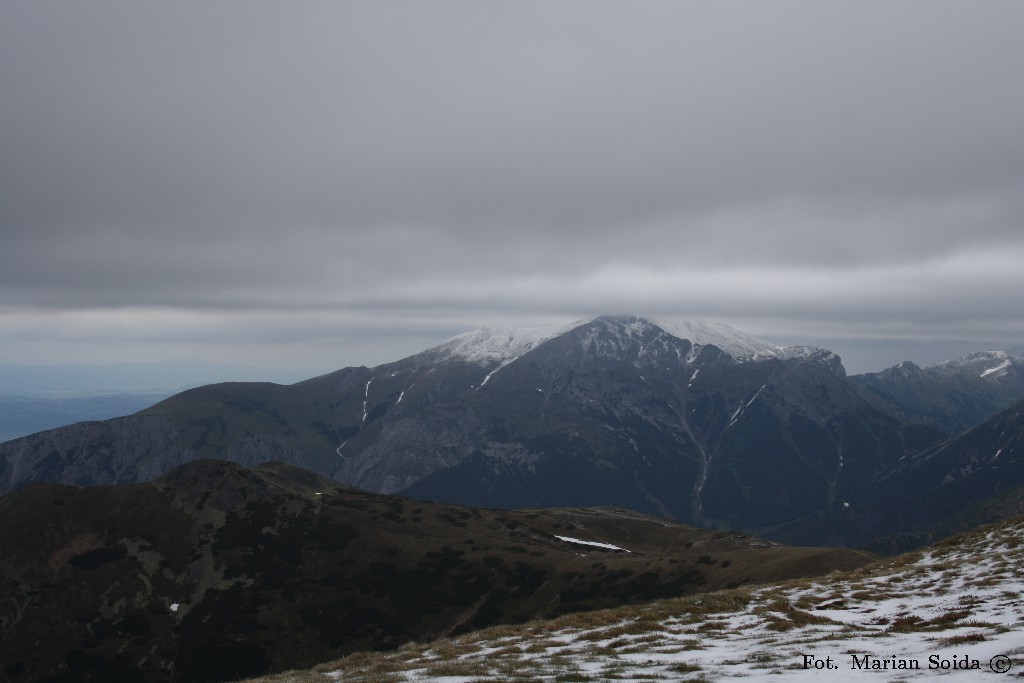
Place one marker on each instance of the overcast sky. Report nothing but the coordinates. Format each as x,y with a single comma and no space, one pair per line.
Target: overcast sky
314,185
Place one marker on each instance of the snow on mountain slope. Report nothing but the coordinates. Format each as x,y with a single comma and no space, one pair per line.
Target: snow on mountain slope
987,364
739,345
953,610
997,370
489,345
496,344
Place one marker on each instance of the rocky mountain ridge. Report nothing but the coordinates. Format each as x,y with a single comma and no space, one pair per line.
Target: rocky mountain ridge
952,396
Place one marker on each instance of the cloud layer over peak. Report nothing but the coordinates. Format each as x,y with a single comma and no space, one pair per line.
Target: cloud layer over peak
367,177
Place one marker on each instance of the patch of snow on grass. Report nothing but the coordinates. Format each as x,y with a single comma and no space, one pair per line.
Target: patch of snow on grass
596,544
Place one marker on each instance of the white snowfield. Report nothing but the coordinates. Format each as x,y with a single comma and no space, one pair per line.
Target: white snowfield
955,611
593,544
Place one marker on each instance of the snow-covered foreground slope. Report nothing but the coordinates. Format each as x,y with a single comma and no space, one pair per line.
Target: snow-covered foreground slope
955,610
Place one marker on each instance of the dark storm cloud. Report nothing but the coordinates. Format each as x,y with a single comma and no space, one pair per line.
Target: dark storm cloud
463,161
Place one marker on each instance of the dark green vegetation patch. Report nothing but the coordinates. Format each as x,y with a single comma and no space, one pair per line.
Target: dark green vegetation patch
216,572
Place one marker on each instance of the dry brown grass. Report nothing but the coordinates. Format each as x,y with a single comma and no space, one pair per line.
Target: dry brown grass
457,668
780,615
309,676
711,625
447,648
963,639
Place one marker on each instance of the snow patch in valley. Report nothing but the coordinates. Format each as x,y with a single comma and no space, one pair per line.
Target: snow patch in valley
739,411
366,397
756,395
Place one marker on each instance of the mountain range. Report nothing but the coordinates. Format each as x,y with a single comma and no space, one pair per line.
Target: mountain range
952,396
691,421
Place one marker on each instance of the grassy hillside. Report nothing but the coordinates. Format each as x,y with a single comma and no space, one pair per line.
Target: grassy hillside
216,571
954,609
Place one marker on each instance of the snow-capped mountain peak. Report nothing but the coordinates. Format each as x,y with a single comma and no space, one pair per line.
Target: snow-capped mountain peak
502,345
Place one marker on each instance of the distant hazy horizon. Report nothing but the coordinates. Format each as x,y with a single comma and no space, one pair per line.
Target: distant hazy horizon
55,380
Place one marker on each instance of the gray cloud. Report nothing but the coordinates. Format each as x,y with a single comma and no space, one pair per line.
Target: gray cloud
405,170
